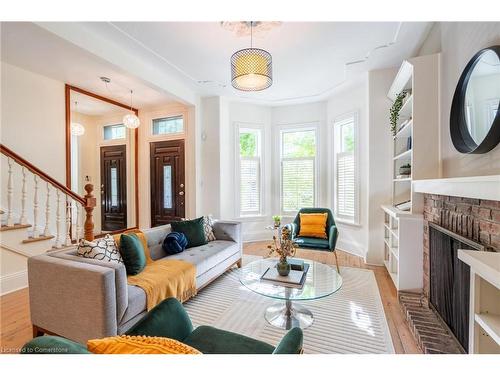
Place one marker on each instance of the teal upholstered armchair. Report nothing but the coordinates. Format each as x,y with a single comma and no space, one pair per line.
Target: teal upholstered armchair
169,319
327,244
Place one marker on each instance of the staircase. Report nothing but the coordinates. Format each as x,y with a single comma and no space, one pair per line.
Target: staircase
38,215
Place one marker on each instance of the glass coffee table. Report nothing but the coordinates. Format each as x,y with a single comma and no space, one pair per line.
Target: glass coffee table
321,281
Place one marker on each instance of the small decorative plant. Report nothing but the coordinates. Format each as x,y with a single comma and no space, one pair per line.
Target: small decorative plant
405,169
284,247
394,111
277,220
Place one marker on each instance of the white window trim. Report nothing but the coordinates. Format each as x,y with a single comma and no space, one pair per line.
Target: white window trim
336,144
279,146
163,113
179,135
237,166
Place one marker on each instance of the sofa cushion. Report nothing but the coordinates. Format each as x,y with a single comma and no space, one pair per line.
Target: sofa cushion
136,302
192,229
319,243
313,225
125,344
207,256
210,340
101,249
174,243
132,251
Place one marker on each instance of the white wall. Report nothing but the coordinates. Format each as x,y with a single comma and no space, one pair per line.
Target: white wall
32,125
458,42
379,160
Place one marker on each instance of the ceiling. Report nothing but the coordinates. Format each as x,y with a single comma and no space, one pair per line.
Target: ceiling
90,106
310,59
30,47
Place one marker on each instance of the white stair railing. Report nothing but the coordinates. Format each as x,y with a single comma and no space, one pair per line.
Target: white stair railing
70,207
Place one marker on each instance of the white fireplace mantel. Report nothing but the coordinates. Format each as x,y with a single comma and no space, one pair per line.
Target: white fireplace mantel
479,187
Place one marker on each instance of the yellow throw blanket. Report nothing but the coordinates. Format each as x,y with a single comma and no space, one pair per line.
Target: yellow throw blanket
163,278
166,278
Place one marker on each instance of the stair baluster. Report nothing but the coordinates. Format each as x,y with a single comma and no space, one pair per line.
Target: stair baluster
57,244
10,194
36,233
46,231
24,196
67,241
78,226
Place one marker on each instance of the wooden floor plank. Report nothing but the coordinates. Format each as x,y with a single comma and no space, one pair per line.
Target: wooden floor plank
15,325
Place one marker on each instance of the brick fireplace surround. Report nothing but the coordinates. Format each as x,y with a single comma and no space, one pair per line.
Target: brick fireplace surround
476,219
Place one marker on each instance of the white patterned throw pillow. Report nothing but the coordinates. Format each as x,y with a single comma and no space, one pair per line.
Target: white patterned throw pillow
101,249
208,223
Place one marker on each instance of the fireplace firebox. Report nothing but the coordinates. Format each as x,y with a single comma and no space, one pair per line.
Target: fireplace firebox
449,280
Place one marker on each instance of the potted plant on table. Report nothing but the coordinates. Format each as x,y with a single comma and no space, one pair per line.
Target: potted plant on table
284,247
277,220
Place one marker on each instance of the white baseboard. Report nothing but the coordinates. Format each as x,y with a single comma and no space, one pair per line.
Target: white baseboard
350,248
264,235
14,281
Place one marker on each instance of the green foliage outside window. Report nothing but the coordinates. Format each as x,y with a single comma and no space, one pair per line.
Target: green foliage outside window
300,144
248,144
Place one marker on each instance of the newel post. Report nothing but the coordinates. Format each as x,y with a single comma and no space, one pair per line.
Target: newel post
90,203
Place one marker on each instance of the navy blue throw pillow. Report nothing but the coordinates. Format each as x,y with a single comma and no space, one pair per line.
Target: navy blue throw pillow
174,243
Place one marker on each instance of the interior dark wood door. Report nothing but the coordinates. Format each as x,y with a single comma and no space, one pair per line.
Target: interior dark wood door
168,193
113,188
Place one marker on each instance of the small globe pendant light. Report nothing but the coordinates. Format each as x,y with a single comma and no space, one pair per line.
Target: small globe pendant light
77,129
251,68
130,120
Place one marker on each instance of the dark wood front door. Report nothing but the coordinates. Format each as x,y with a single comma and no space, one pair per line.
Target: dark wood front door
113,188
168,193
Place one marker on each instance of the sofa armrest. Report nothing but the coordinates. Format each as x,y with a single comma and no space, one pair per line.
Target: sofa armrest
228,230
332,237
292,227
120,278
291,343
167,319
75,300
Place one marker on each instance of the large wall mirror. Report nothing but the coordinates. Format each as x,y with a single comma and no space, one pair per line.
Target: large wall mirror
475,115
101,151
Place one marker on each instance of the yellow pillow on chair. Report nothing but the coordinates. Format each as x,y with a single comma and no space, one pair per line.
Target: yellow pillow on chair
313,225
139,345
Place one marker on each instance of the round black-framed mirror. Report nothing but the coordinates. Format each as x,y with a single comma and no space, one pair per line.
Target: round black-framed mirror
475,110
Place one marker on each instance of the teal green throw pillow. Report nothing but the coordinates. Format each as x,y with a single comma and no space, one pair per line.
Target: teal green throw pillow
192,229
132,252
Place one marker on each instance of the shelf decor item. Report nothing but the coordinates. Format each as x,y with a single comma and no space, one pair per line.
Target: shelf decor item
284,247
405,170
277,220
394,111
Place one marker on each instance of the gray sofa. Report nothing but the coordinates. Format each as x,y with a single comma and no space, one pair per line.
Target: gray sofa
80,299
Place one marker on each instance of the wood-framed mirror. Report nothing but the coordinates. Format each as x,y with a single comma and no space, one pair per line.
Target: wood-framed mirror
101,151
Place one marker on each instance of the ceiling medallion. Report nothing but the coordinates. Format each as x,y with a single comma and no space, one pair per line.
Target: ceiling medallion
245,28
251,68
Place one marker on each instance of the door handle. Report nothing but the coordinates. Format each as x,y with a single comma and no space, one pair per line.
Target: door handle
181,193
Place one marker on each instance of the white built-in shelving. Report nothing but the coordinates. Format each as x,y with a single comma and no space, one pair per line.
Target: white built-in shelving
416,143
402,241
484,304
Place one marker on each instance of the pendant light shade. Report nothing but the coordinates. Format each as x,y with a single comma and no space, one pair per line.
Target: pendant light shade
251,69
130,120
77,129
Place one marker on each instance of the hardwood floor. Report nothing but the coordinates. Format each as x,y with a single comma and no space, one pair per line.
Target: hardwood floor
15,325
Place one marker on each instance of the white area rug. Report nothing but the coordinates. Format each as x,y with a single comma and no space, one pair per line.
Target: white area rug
351,320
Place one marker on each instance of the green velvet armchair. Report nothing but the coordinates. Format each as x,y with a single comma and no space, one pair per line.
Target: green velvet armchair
327,244
169,319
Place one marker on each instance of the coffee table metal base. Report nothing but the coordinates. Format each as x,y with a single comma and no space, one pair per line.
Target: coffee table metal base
286,316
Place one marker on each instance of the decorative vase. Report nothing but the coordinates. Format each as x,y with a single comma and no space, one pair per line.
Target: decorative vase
283,267
406,171
277,224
